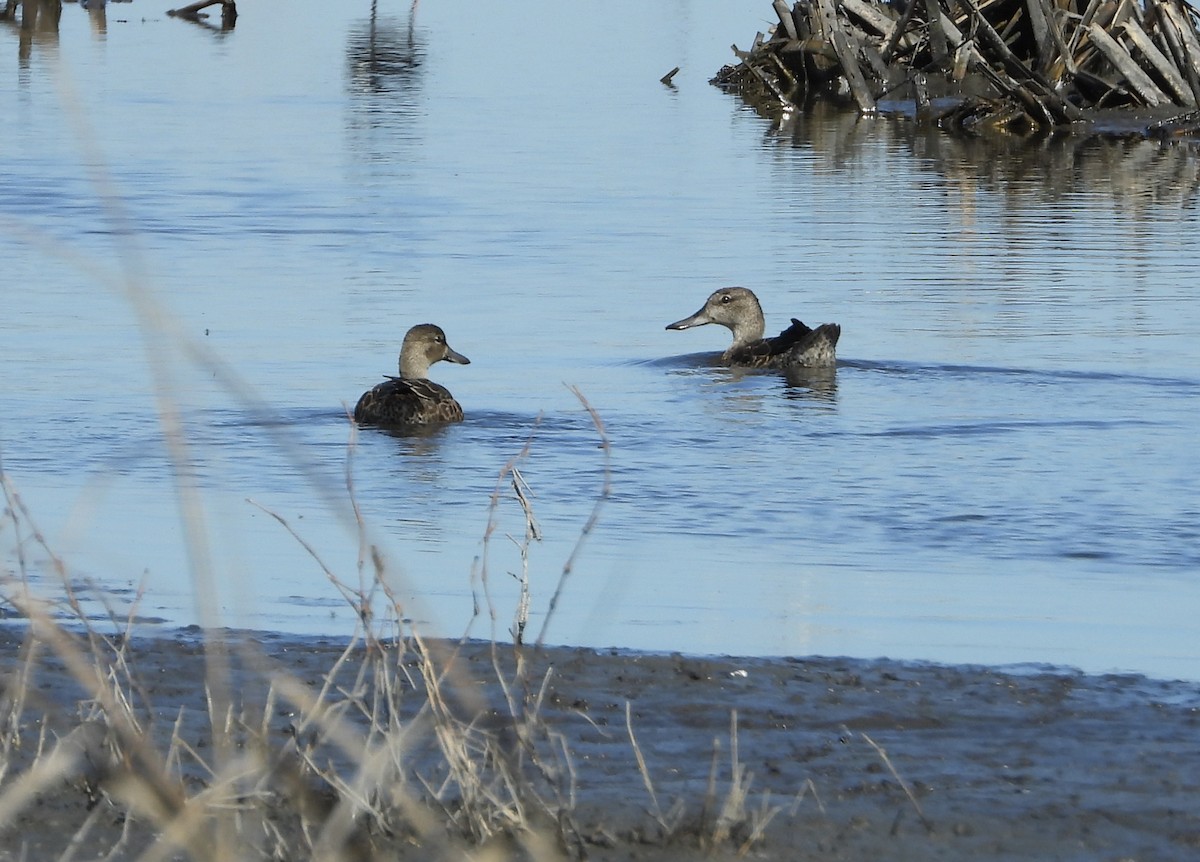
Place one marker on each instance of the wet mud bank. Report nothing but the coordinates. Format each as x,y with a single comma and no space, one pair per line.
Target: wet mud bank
643,756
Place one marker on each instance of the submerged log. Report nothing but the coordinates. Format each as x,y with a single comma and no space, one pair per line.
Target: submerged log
1012,64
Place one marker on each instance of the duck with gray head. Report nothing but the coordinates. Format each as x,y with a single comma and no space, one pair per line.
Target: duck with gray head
411,398
798,346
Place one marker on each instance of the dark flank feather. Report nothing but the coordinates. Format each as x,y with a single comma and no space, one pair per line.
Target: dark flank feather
398,401
796,345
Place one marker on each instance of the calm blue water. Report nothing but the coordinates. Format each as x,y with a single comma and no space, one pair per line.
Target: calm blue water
232,231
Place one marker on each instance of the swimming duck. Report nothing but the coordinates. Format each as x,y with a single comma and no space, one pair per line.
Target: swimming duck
798,346
411,399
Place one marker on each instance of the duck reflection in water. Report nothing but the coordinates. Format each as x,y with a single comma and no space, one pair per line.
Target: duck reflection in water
740,394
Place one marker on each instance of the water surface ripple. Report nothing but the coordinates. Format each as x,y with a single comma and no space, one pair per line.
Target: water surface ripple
234,230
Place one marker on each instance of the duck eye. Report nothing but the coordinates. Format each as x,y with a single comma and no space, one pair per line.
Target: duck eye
726,298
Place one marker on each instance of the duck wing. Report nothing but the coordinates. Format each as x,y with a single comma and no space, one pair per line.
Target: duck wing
794,335
812,348
770,352
401,401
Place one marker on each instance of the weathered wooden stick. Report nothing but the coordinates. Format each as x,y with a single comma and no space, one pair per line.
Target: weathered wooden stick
1062,110
1125,11
1064,54
1187,32
1034,107
1165,68
1011,26
937,35
847,57
966,52
874,19
871,15
800,20
898,31
770,84
813,47
920,95
1131,71
784,71
963,44
1088,14
1167,30
785,18
1092,11
1041,33
880,68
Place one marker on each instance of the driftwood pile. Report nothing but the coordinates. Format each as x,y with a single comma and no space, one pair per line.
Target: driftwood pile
1014,65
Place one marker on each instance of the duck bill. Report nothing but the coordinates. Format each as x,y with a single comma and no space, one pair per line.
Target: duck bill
697,319
454,356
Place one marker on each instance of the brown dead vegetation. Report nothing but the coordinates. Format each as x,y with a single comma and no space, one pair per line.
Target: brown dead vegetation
1008,65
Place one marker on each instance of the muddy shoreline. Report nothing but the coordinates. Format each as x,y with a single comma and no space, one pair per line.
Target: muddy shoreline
852,759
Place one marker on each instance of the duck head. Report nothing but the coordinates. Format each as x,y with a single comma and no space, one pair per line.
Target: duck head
424,345
736,308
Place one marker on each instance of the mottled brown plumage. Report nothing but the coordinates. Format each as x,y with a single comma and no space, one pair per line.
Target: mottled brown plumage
798,346
412,399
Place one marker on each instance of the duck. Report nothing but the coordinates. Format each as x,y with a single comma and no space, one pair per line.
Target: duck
798,346
411,398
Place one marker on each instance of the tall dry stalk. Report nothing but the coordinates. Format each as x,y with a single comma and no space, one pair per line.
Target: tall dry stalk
593,518
533,533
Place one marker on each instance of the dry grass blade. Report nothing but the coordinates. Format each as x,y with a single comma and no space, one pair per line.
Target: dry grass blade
887,761
13,695
155,794
352,598
644,771
479,572
733,811
533,533
64,761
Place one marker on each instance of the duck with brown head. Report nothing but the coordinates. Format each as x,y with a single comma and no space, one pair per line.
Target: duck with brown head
738,309
411,398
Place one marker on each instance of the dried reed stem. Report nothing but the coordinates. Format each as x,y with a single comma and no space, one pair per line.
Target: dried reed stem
643,770
593,518
887,761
